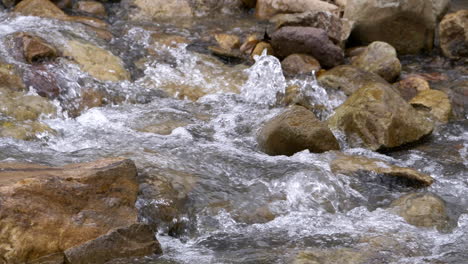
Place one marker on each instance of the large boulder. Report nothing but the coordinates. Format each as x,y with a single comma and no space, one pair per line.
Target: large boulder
347,78
47,210
379,58
377,117
98,62
268,8
307,40
453,32
422,209
294,130
346,164
436,102
408,26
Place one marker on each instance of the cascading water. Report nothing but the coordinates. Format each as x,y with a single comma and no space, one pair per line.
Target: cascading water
233,203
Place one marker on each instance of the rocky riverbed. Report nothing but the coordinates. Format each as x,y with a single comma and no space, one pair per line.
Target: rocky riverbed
233,131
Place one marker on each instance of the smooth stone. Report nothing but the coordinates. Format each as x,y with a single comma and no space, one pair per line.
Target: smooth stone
437,102
453,31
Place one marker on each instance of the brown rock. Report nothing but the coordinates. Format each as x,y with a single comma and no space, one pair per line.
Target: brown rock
48,210
10,79
459,96
24,130
454,34
296,64
34,48
41,8
21,106
135,240
260,47
227,41
91,7
410,86
307,40
147,10
376,117
355,51
345,164
422,209
379,58
408,26
436,101
42,80
294,130
267,8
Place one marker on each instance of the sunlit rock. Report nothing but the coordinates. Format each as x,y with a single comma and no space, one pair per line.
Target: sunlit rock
454,34
422,209
47,210
345,164
227,41
307,40
295,130
98,62
379,58
436,102
409,26
41,8
376,117
260,47
296,64
268,8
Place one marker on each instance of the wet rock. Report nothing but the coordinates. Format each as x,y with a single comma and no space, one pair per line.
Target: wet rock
355,51
294,130
346,164
406,25
347,78
267,8
164,128
307,40
453,31
227,41
379,58
338,29
411,86
341,255
34,48
168,40
458,94
10,79
260,47
21,106
47,210
437,102
132,241
24,130
376,117
147,10
91,7
92,22
296,64
42,80
41,8
98,62
215,7
422,209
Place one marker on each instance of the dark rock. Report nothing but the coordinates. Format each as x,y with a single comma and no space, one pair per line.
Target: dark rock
42,80
453,32
296,64
411,86
34,48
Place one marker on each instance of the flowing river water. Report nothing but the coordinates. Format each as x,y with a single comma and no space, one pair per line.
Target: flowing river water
229,202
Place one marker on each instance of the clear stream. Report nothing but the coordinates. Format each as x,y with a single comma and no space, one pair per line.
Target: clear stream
230,202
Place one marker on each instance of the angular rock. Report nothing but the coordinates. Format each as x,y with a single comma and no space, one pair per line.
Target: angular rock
98,62
453,31
295,130
408,26
147,10
411,86
346,164
379,58
307,40
437,102
296,64
267,8
47,210
260,47
377,117
338,29
91,7
136,240
347,78
422,209
34,48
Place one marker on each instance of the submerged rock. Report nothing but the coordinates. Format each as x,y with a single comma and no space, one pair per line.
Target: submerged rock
422,209
377,117
268,8
409,26
379,58
48,210
345,164
21,106
296,64
294,130
34,48
307,40
437,103
454,34
24,130
98,62
227,41
10,79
